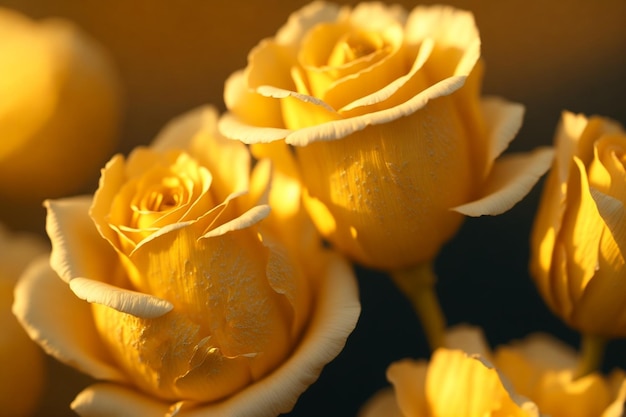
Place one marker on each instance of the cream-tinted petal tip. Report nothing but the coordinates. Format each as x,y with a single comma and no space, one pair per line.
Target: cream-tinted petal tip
125,301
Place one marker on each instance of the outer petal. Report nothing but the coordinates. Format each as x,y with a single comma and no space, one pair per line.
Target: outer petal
179,132
126,301
409,381
510,180
77,248
449,27
258,110
300,22
61,323
503,120
334,319
469,339
78,251
382,404
106,400
233,127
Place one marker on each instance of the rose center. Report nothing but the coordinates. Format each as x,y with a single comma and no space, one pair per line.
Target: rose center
164,198
353,46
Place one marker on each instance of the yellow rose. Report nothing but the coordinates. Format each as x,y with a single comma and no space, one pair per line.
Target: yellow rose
577,258
543,369
59,107
21,360
452,384
393,142
534,376
198,305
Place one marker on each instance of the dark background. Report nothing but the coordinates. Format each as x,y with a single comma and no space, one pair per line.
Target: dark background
549,55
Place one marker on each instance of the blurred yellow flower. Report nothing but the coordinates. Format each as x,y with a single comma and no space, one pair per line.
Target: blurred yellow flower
543,369
59,107
200,306
393,142
452,384
21,360
534,376
578,239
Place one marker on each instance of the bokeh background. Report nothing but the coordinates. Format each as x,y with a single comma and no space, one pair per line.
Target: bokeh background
550,55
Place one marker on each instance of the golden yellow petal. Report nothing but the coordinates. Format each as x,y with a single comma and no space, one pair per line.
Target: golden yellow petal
389,188
408,378
163,356
225,275
559,395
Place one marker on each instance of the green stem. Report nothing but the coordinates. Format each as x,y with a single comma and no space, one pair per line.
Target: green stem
591,354
418,284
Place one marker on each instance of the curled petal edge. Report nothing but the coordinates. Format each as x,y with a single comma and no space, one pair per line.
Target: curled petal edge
60,322
125,301
231,127
511,178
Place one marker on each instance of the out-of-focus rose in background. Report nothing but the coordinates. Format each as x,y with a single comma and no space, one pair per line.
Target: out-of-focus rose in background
23,373
60,107
578,239
549,56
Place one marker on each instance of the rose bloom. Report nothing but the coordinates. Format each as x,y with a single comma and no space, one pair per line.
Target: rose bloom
177,289
21,360
59,107
452,384
577,247
543,369
392,140
534,375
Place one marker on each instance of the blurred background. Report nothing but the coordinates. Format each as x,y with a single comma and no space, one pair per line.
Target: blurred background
550,55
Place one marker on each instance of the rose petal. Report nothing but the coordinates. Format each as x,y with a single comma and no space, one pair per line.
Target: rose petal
469,339
341,128
374,16
408,378
334,319
510,180
455,34
61,323
391,88
613,213
112,178
258,110
301,21
247,219
106,400
179,132
77,248
382,404
125,301
483,389
503,119
79,252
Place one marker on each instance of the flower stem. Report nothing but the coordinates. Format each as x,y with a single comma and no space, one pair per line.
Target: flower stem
591,355
418,284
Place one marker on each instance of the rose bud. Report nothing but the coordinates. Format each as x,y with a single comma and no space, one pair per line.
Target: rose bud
578,239
193,302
